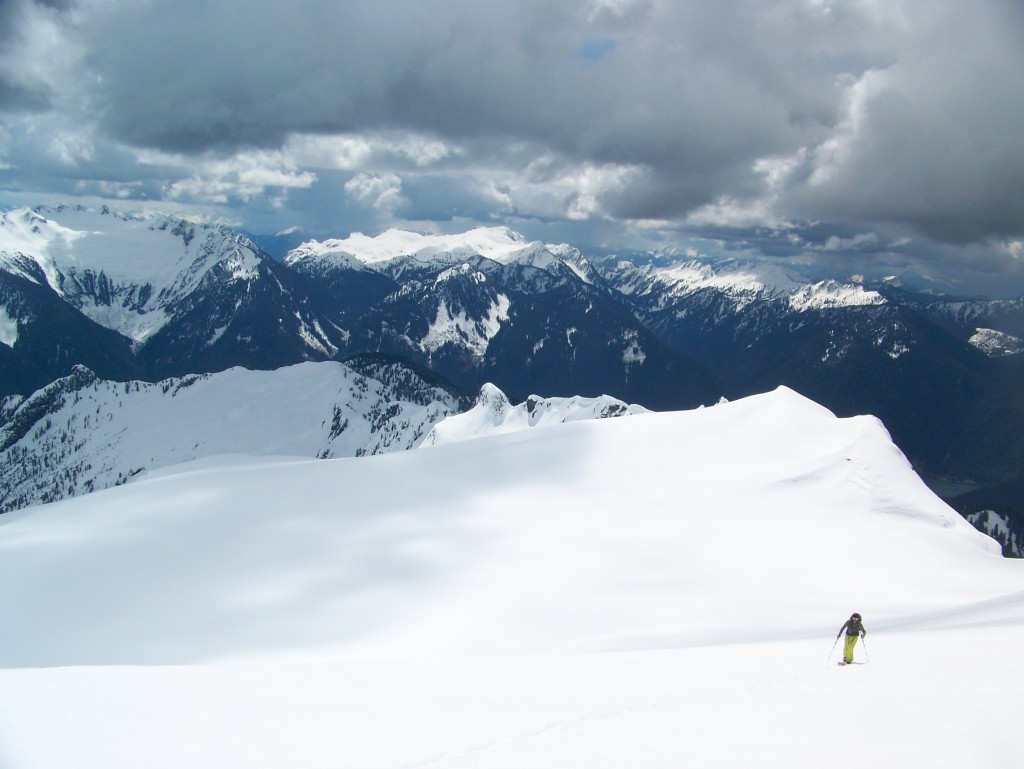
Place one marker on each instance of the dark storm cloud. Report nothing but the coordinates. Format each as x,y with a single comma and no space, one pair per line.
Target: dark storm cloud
15,95
935,139
692,88
884,121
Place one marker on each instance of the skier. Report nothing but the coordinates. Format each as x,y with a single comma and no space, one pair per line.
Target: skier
854,630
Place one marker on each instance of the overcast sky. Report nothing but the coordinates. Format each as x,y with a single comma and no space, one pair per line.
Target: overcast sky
869,136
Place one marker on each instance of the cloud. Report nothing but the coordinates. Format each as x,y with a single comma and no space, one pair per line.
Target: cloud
35,54
929,141
190,77
380,192
896,119
17,97
351,152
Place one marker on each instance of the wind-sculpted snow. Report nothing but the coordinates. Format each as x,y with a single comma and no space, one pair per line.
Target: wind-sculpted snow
82,434
657,591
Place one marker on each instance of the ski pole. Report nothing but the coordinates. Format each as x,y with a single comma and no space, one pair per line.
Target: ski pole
864,643
832,650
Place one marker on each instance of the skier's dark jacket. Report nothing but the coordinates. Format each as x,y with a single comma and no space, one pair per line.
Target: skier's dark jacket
852,628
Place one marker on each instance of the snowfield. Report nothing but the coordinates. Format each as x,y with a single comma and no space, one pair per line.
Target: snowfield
658,590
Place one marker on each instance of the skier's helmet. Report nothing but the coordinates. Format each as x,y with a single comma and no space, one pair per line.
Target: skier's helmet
855,617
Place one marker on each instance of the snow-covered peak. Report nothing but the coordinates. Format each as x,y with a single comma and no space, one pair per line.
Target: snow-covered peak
495,243
745,282
27,234
734,278
828,294
499,244
326,252
493,414
122,271
153,248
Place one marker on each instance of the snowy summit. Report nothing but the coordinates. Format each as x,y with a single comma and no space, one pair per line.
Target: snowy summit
655,591
123,272
497,243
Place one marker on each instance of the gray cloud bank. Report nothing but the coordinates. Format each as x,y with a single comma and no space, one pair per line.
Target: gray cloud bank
897,121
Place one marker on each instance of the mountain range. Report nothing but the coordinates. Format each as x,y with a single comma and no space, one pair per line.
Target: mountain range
154,297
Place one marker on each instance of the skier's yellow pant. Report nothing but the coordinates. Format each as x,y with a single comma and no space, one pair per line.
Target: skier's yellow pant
849,643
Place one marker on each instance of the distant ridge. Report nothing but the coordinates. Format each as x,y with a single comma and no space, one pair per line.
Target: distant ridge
153,296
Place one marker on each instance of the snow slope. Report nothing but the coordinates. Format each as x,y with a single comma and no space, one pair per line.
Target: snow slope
658,591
